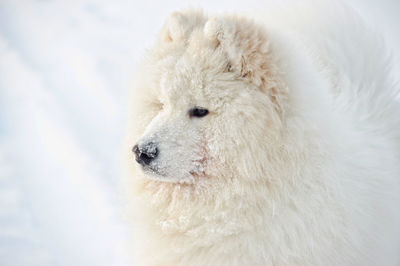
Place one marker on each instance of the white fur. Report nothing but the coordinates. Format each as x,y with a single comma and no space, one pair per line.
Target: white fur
298,161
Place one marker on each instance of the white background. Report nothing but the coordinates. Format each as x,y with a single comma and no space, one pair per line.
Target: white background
65,72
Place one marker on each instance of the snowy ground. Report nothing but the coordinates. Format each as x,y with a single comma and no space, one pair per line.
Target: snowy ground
65,70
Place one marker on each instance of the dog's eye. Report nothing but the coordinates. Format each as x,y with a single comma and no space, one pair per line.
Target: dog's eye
198,112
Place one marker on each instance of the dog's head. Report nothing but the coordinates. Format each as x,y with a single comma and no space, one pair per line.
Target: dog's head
208,98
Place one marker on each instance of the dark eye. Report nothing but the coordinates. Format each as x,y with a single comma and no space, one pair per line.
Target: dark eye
198,112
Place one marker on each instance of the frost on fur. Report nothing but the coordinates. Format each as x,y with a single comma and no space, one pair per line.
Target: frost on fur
289,166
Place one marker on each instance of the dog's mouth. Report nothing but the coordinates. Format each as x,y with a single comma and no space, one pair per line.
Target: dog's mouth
153,171
158,175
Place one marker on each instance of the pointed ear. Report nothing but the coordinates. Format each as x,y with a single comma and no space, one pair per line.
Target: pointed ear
246,44
218,31
180,24
249,52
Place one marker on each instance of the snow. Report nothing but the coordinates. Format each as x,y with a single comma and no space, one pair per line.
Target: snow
65,72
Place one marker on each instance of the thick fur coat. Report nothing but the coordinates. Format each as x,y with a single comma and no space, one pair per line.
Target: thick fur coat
297,161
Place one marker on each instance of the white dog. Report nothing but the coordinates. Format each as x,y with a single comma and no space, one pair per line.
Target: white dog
266,142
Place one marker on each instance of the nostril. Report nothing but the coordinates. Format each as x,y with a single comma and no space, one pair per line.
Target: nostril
145,158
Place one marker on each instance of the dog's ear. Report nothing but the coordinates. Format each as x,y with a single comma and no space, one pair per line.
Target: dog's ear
249,52
179,25
245,43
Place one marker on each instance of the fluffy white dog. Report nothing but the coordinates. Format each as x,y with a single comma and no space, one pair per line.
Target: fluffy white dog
266,142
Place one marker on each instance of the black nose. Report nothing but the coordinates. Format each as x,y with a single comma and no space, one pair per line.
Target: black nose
145,153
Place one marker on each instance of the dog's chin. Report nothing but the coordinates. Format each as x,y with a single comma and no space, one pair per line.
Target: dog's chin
162,177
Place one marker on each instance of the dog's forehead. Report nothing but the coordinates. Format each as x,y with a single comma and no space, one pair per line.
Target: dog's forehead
182,79
194,76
